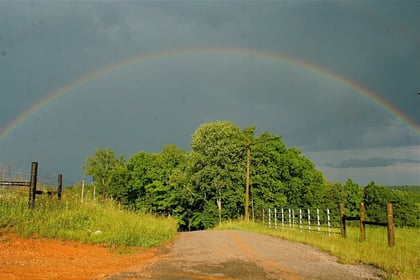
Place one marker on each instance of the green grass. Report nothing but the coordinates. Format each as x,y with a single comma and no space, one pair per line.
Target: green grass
400,262
88,222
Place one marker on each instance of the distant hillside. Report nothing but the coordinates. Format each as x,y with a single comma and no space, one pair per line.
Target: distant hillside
413,192
405,188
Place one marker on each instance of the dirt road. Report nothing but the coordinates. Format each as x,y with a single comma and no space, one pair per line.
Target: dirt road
243,255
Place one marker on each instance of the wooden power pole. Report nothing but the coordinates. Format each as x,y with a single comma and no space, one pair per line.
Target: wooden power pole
248,175
248,170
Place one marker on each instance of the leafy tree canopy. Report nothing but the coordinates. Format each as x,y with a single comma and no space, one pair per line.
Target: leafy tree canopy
101,165
206,185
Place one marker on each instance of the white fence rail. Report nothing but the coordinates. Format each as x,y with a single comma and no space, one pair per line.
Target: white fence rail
302,219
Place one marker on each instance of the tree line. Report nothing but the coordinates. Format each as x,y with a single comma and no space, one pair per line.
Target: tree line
206,185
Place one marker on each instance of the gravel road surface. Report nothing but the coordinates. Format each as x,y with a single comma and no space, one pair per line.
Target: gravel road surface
234,254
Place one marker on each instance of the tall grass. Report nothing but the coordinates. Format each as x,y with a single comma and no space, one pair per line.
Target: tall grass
401,261
90,222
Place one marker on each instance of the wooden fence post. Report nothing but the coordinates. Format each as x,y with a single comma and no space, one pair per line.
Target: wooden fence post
362,222
342,221
32,186
60,186
390,225
83,189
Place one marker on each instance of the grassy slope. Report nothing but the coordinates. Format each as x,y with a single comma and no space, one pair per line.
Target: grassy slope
90,222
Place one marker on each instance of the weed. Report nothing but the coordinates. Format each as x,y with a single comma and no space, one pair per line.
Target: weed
88,222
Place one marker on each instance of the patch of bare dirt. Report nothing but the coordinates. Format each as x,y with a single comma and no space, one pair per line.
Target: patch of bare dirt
39,258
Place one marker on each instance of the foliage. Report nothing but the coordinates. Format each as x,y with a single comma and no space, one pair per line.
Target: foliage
412,189
106,169
90,221
283,176
405,207
353,198
206,185
217,170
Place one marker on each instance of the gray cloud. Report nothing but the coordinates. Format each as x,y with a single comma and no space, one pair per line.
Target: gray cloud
45,45
372,162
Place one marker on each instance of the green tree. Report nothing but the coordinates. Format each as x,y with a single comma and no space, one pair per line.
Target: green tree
117,187
163,195
375,200
101,165
334,195
217,166
207,185
353,198
304,185
139,166
267,185
156,181
406,212
185,201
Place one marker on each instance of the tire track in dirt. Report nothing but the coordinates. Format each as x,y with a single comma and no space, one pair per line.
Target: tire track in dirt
271,266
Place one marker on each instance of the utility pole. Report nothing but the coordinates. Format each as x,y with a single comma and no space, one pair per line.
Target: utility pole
248,175
248,170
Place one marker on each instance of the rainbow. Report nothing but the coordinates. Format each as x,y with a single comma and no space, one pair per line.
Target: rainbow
11,126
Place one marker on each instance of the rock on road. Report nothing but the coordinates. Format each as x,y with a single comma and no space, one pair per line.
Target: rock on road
235,254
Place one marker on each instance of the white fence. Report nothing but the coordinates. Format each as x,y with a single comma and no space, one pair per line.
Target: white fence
302,219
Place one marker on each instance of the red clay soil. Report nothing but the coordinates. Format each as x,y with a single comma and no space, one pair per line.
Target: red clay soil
39,258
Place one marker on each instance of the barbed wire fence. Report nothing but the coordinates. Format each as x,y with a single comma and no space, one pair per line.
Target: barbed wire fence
37,182
44,180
